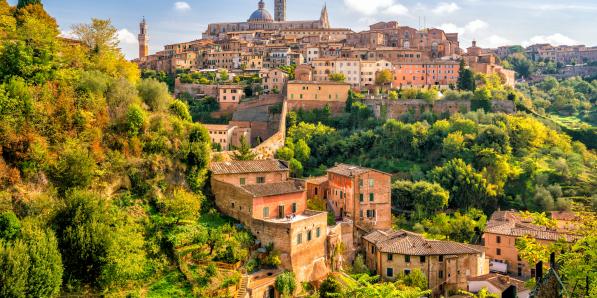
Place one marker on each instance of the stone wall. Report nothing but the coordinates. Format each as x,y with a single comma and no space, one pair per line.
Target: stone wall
335,106
195,89
394,109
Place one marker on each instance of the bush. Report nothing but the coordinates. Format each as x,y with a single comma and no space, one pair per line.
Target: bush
75,167
9,225
286,284
136,120
155,94
181,110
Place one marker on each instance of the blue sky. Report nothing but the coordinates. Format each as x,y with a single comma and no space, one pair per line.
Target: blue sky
492,23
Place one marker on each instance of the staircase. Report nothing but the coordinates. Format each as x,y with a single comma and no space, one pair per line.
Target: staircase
242,289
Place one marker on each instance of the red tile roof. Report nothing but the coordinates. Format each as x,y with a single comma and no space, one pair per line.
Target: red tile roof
272,189
501,282
510,223
409,243
252,166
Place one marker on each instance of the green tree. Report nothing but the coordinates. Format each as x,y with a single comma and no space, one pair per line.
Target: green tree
9,225
302,152
180,205
384,77
75,167
136,120
467,187
466,78
330,287
337,77
244,151
15,263
420,196
23,3
359,266
181,110
155,94
416,279
296,168
99,35
286,284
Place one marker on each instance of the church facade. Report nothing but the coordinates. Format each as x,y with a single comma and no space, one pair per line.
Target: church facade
261,19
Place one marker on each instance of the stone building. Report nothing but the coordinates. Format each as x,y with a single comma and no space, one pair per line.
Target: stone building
309,95
434,42
227,136
480,62
229,96
275,80
349,67
499,238
370,69
143,40
261,19
497,284
261,196
362,195
425,74
446,264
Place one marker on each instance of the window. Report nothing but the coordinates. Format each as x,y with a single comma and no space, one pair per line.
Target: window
422,259
361,182
281,212
371,196
498,239
265,212
341,194
309,235
318,232
407,259
519,271
260,180
441,274
242,181
371,182
361,197
293,207
299,238
372,249
441,258
498,252
389,272
406,271
390,256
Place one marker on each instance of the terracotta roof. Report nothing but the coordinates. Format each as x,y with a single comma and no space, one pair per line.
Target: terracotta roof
252,166
409,243
350,170
564,215
501,282
317,180
272,189
511,224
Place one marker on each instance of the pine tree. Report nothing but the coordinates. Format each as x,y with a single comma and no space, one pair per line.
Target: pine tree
466,78
23,3
244,152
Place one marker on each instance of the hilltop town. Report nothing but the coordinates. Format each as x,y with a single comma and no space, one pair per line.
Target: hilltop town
289,158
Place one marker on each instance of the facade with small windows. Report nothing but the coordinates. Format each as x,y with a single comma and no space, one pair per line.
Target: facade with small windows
229,96
309,95
227,136
261,196
499,239
275,80
446,264
430,73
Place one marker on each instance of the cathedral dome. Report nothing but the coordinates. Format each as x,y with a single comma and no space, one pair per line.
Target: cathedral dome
261,14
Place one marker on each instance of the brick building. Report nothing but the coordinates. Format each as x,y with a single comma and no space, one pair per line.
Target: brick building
261,196
429,73
227,136
275,79
499,238
479,62
309,95
229,96
360,194
446,264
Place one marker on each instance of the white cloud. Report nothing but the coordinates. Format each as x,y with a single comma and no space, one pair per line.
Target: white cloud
372,7
397,9
470,28
445,8
68,34
475,26
494,41
126,37
555,39
182,6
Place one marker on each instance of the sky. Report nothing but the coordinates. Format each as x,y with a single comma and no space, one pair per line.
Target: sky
492,23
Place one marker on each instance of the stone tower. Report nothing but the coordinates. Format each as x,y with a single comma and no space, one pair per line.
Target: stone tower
280,10
143,40
324,19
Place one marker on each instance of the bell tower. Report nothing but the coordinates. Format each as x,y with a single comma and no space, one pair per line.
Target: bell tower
280,10
143,39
